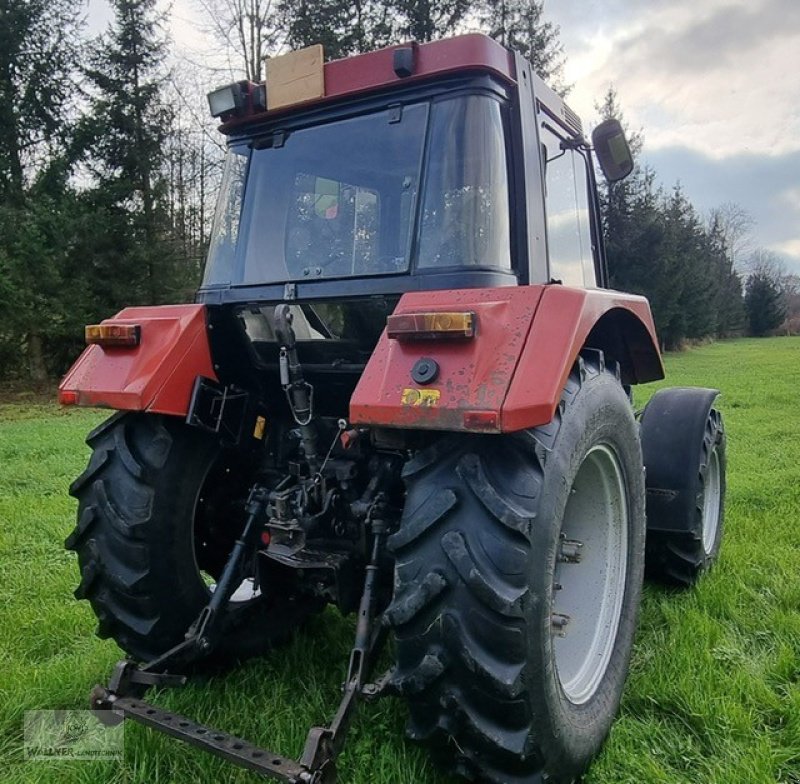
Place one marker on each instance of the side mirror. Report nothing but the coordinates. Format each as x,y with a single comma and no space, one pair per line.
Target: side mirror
612,150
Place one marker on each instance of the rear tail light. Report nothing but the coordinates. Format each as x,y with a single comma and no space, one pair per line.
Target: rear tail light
67,397
430,326
113,334
481,420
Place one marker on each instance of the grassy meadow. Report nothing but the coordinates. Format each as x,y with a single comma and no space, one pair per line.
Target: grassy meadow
714,691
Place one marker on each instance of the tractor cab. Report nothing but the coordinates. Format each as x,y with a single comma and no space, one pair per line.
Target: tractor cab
410,173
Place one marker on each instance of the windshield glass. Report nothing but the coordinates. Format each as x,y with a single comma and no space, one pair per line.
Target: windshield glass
341,199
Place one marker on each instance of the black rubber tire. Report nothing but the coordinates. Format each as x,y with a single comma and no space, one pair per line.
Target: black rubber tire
681,558
475,560
138,501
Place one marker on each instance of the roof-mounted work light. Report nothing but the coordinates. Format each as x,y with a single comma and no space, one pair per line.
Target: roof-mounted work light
237,99
231,99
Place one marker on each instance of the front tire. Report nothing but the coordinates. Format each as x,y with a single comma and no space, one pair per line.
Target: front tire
157,516
485,576
681,556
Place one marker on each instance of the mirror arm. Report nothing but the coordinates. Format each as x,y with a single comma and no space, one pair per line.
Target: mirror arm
575,143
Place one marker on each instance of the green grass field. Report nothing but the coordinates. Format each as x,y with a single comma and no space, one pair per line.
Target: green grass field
714,691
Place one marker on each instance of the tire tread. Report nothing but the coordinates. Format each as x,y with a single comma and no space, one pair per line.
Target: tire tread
474,710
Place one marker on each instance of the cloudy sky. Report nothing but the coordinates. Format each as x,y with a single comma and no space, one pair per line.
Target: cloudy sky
713,84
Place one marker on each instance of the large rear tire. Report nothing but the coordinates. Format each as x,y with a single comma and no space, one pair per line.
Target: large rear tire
490,574
159,507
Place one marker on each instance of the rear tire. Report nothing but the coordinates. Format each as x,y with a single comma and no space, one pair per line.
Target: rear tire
156,511
481,587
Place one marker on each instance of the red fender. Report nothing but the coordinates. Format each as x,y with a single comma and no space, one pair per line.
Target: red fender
510,375
157,375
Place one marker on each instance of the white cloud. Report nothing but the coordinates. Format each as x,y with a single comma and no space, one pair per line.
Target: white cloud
719,77
714,86
98,16
788,248
791,198
186,32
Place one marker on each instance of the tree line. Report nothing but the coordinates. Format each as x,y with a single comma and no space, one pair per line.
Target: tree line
701,275
108,165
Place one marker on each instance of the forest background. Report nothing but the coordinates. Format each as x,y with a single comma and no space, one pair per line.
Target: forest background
109,165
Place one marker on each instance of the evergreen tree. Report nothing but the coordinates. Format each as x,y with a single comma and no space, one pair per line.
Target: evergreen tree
729,299
657,246
632,224
127,134
39,49
347,28
38,53
342,28
763,300
426,20
696,313
519,25
39,298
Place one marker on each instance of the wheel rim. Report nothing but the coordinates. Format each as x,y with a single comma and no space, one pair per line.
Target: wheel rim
711,503
589,578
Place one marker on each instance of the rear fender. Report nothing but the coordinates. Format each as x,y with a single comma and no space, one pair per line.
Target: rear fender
510,375
566,321
157,375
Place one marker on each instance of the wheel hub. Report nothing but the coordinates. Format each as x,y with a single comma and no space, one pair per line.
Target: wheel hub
711,502
590,572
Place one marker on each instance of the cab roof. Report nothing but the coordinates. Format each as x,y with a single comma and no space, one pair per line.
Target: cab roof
376,71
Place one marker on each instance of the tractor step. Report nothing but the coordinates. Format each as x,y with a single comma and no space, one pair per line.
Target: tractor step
233,749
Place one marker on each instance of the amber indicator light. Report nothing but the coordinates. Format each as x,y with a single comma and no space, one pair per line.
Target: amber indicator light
113,334
431,326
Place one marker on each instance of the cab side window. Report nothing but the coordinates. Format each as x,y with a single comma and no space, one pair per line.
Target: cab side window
566,204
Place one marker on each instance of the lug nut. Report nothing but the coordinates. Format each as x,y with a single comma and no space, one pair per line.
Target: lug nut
570,551
559,622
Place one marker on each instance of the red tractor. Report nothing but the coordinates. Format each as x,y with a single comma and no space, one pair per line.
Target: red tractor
404,390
